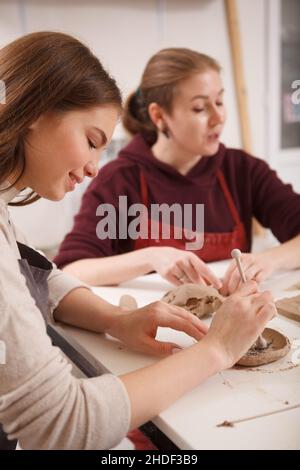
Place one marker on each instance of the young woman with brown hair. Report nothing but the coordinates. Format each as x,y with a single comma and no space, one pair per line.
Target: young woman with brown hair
60,110
176,117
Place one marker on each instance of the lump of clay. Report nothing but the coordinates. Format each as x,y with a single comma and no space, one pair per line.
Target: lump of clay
198,299
127,302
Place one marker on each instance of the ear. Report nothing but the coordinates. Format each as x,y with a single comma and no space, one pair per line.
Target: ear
156,114
35,124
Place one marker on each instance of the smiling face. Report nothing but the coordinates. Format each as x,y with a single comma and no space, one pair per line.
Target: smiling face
198,114
62,148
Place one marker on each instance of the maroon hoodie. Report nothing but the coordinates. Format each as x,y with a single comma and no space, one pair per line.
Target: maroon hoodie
256,190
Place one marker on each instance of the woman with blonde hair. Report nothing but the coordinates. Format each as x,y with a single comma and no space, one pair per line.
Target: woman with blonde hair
175,158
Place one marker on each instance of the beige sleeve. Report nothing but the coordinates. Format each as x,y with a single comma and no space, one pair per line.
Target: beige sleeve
41,403
60,284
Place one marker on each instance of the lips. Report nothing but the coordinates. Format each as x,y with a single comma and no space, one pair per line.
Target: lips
214,136
71,184
75,178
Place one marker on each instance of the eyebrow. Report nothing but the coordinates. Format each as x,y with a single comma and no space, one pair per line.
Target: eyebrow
102,133
205,97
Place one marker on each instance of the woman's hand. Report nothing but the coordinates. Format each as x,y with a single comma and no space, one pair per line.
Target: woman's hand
138,329
257,267
180,267
238,323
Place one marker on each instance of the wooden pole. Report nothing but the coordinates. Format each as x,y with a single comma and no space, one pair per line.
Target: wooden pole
240,86
238,71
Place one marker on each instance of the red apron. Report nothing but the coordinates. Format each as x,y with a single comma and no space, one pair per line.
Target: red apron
217,245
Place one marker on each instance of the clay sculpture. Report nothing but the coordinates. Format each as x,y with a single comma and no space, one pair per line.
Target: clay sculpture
198,299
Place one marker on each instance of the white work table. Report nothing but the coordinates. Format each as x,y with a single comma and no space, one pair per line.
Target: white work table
262,403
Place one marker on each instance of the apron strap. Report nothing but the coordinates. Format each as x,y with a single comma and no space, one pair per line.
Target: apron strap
228,197
144,189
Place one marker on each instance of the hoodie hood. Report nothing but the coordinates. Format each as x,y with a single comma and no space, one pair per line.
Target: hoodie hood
139,153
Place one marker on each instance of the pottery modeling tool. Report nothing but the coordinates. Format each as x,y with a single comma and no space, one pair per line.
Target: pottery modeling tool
261,343
268,348
236,254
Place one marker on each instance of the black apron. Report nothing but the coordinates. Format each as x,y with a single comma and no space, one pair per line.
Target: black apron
36,269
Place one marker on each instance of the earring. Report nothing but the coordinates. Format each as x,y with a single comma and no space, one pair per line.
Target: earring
165,131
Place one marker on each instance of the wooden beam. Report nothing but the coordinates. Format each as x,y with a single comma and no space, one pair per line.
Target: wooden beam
238,72
240,86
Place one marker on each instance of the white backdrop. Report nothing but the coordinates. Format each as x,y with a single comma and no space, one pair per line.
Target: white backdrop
124,34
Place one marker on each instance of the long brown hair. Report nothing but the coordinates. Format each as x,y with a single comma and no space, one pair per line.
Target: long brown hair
45,71
162,75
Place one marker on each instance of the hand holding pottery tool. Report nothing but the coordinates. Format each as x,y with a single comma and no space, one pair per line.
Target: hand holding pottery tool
260,343
269,348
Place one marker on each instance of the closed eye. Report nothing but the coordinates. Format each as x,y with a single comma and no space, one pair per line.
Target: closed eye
201,110
91,144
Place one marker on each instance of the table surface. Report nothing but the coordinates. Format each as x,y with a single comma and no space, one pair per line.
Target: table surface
262,403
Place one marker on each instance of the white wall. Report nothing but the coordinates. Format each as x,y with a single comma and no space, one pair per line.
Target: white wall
124,34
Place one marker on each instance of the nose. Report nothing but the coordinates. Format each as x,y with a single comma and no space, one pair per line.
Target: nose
91,170
217,116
